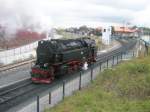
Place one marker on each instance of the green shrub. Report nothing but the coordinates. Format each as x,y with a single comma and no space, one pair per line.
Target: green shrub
130,79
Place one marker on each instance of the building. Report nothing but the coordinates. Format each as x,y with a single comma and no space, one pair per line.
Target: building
120,31
106,35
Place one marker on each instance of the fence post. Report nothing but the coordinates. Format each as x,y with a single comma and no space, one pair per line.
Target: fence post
91,73
121,55
113,61
14,52
107,63
20,51
80,81
100,66
50,99
133,53
64,89
117,58
38,106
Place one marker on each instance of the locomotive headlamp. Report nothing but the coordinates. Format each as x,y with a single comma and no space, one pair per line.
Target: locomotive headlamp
46,64
81,53
57,57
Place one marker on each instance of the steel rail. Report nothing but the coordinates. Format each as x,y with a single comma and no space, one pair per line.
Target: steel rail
12,66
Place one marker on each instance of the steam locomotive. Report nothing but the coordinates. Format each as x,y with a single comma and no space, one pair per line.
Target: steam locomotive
58,57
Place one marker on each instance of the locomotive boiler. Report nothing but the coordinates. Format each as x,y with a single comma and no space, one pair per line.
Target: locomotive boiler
58,57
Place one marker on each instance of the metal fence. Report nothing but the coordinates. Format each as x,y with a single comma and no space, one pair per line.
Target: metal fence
21,53
76,82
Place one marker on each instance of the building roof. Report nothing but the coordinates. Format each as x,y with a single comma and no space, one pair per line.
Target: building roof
124,29
99,28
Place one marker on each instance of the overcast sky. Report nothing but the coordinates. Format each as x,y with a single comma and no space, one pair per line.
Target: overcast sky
66,13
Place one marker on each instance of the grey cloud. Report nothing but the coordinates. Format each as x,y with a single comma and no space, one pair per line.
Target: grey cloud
134,5
59,12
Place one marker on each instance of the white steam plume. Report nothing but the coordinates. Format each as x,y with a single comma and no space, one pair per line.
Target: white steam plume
24,14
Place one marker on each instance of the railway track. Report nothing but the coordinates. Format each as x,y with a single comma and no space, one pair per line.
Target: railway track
14,96
16,65
13,92
121,49
17,93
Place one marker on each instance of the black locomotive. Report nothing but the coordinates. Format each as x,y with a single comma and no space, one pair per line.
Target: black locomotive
57,57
